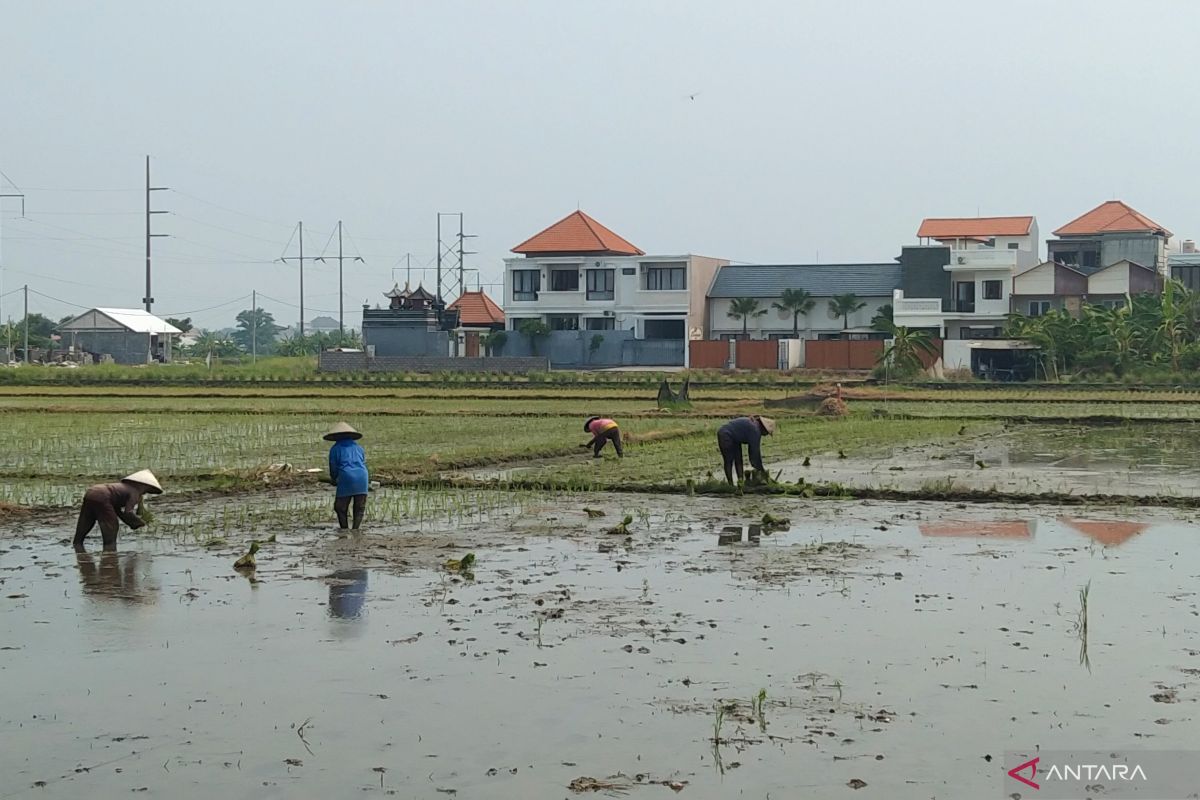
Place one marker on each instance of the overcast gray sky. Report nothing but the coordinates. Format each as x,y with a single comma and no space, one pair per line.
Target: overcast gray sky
828,127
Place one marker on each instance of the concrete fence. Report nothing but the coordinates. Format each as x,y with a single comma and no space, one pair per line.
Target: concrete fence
361,362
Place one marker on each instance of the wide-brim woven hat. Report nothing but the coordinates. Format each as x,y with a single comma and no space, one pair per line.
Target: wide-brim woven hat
768,425
146,478
341,431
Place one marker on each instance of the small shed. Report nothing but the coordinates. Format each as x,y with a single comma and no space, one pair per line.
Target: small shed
128,335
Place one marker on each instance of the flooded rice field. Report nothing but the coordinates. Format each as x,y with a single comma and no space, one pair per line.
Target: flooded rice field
841,649
1142,460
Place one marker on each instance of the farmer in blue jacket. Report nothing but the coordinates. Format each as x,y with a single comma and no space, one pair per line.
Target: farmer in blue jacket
348,471
746,431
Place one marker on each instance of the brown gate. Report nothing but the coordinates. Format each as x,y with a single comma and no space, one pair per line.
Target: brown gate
708,354
842,354
757,354
472,344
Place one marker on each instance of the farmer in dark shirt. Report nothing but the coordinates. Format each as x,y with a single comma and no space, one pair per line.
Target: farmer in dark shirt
746,431
109,504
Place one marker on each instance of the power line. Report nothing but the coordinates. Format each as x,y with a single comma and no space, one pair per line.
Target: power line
210,308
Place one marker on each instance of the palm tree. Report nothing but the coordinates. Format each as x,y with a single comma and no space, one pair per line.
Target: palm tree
904,352
795,302
884,319
843,305
744,308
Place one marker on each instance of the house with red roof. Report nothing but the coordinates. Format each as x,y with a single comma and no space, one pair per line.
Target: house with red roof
1112,231
957,283
477,315
579,275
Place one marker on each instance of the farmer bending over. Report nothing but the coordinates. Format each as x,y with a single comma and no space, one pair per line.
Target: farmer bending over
743,431
348,471
110,504
603,430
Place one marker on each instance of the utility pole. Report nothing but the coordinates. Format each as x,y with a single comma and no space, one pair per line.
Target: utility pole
253,326
341,297
149,298
27,323
302,258
2,196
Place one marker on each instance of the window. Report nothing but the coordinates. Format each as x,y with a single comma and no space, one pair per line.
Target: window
526,284
628,270
1038,307
600,284
564,280
1111,304
990,242
664,278
1068,257
663,329
1091,258
1014,245
563,322
601,323
993,290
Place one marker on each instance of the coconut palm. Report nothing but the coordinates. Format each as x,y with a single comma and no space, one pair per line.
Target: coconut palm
884,319
904,352
745,308
843,305
795,302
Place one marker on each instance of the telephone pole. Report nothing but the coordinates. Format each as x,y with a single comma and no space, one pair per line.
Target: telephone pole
2,197
27,323
301,259
253,326
341,296
149,298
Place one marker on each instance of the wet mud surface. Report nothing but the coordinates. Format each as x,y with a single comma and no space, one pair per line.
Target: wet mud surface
896,648
1145,460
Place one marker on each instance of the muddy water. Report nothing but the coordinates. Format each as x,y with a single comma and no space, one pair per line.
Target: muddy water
1141,460
899,645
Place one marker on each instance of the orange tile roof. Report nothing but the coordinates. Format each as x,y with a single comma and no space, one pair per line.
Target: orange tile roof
1106,532
577,233
476,308
1016,529
1110,217
974,227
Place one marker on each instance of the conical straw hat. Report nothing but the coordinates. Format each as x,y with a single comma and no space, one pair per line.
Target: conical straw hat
146,478
768,425
342,431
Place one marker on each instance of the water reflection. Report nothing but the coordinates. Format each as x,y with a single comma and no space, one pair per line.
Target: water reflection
111,575
993,529
1108,532
347,593
748,535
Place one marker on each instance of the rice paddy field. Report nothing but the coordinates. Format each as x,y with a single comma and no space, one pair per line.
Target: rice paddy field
984,573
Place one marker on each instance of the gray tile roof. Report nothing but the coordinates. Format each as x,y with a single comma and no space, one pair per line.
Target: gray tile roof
1184,259
824,280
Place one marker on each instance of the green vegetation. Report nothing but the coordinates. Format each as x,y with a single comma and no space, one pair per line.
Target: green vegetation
843,305
1146,334
796,302
902,357
745,309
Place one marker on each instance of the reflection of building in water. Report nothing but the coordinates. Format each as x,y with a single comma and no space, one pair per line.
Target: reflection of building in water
997,529
1108,532
347,593
740,534
115,575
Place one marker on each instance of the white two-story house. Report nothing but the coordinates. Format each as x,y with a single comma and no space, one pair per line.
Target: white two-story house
960,280
579,275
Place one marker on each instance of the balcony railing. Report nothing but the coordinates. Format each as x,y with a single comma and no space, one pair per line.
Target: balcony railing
905,306
984,259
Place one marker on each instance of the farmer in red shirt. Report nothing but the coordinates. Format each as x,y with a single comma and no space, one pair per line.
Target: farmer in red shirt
603,430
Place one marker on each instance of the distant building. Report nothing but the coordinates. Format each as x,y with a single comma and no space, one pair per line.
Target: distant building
1185,265
577,275
128,335
871,283
413,324
323,325
1110,232
477,316
958,284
